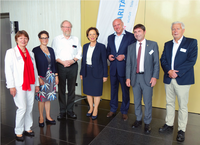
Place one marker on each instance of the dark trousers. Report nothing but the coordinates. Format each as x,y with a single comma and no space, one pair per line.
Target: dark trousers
115,80
69,74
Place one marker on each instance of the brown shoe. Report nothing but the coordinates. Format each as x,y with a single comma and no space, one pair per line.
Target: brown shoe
110,114
125,117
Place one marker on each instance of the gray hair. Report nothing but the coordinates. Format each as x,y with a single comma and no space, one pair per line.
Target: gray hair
64,22
178,22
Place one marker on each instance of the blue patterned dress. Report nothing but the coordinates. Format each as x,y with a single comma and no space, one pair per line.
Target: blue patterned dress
48,90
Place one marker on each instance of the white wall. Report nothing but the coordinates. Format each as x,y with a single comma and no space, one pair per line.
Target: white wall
36,15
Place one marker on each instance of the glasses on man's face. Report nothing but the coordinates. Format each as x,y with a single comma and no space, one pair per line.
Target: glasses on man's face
44,38
66,27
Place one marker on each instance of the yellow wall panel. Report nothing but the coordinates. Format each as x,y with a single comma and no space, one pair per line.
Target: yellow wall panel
157,16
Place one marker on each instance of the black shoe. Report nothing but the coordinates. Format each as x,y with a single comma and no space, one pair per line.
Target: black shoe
165,128
136,124
147,128
50,122
41,124
62,116
94,117
89,114
29,133
71,115
19,138
181,136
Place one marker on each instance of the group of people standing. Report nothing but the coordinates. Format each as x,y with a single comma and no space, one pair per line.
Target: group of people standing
134,61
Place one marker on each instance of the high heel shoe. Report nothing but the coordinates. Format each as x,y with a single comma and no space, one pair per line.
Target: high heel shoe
89,114
94,117
50,122
41,124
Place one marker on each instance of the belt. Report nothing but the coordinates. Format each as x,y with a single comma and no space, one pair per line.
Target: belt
62,64
140,73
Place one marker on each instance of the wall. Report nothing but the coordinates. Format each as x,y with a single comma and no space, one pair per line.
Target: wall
157,16
34,16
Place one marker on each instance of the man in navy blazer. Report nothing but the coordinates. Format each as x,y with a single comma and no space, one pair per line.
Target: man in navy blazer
177,61
117,54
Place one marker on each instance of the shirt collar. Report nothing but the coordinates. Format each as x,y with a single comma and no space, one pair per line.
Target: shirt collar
179,41
143,41
63,37
123,33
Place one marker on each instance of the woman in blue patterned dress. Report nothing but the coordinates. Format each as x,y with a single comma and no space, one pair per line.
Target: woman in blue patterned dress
48,77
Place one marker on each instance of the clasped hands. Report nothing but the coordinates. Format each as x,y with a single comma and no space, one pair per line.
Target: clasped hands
173,74
119,57
67,63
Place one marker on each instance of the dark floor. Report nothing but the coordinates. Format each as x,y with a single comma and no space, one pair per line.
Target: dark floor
84,131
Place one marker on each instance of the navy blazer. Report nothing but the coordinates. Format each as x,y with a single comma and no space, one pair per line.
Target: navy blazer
99,61
115,65
184,61
41,61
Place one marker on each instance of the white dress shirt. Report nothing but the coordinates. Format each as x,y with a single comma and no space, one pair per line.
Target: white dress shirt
67,49
174,50
142,53
89,55
118,40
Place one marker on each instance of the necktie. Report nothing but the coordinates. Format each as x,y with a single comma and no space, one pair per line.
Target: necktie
138,58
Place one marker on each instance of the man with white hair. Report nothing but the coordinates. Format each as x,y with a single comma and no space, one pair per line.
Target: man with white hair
177,61
68,51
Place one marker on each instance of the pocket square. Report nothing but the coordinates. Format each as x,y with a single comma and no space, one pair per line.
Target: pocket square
183,50
150,52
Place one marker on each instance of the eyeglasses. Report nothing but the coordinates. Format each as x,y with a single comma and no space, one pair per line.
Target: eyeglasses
44,38
66,27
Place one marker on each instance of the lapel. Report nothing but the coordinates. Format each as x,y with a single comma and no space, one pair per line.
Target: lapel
113,42
146,52
180,46
95,52
18,55
122,42
134,52
170,48
86,49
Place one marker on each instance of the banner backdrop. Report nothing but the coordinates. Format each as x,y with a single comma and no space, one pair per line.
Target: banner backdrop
112,9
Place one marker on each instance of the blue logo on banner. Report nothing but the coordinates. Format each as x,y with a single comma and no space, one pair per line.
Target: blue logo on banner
121,9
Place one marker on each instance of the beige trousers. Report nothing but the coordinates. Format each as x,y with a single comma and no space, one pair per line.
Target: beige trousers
182,92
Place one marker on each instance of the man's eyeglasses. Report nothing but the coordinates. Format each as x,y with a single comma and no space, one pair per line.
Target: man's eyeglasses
66,27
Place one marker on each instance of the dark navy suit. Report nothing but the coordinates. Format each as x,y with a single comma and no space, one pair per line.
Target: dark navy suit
99,61
117,71
184,61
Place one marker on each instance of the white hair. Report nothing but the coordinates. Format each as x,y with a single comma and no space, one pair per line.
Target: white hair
65,21
178,22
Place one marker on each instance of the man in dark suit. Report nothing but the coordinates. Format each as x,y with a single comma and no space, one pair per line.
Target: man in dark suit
142,71
117,52
177,61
